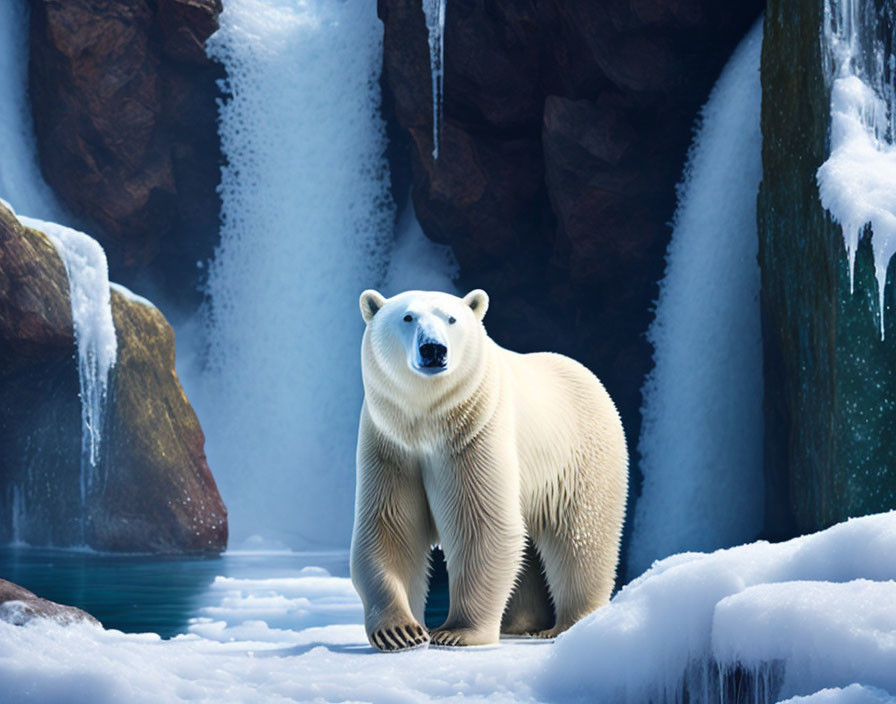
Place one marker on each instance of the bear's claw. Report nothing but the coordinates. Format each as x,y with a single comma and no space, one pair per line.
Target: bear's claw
456,638
401,637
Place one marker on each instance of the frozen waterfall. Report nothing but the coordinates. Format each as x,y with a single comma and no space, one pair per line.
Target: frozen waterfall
23,188
701,443
308,223
857,183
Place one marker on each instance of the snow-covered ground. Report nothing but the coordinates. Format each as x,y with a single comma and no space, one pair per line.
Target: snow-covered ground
813,619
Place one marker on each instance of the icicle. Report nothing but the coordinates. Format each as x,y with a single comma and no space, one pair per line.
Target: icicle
857,183
88,278
434,11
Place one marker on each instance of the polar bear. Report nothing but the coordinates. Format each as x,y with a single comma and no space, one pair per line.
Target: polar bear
515,463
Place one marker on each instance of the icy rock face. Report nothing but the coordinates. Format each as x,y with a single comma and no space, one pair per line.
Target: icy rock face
830,380
701,441
157,493
857,183
89,293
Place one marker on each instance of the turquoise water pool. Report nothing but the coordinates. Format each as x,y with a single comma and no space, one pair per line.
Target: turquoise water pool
143,593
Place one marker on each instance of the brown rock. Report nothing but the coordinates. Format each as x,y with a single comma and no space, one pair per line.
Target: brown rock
156,493
18,606
125,116
565,129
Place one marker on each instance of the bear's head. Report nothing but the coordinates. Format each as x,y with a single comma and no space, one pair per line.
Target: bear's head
424,334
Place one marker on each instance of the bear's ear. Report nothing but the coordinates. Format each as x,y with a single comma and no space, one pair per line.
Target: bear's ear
371,301
478,302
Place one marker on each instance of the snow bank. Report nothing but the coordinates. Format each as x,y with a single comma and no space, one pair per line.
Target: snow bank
701,442
813,619
789,619
270,640
854,694
88,279
857,183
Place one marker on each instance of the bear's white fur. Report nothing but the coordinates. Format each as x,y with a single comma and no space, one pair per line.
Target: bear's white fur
490,453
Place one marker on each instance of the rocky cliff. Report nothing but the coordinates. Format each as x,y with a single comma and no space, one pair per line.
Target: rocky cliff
830,380
565,128
157,492
124,101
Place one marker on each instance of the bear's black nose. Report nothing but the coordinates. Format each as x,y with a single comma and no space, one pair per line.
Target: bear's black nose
432,354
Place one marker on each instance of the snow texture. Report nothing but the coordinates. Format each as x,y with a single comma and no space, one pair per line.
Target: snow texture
308,223
434,12
857,183
701,443
813,619
88,279
131,296
789,619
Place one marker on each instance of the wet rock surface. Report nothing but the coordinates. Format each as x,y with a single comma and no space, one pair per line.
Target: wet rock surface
18,606
830,381
126,122
156,492
565,129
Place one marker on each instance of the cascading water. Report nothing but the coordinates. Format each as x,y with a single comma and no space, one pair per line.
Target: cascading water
88,278
434,11
308,224
701,443
23,188
857,183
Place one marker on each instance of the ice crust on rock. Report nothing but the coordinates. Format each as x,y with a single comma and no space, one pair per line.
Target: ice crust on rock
701,440
131,296
857,183
88,278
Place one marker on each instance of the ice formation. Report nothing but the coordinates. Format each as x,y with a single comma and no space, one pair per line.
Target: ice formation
307,225
813,619
131,296
88,279
857,183
787,619
434,12
701,442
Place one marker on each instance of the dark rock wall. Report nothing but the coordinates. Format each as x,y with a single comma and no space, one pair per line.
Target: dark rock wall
124,103
157,493
830,384
566,124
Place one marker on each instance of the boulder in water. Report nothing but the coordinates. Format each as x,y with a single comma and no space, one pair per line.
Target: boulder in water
18,606
155,491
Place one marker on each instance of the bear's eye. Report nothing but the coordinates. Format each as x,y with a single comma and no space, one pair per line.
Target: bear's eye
408,318
451,320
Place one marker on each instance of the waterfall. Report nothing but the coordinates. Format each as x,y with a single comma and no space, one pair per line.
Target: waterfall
22,187
857,183
434,12
88,280
308,223
701,443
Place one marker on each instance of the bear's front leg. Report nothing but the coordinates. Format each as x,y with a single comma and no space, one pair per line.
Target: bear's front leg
480,523
390,542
